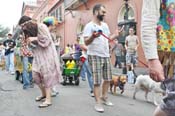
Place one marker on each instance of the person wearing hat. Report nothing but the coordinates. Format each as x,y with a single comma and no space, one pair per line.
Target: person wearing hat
9,45
51,22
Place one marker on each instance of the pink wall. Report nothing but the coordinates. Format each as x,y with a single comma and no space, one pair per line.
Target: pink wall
112,6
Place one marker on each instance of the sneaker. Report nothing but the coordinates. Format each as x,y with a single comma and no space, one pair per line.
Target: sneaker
54,94
31,86
83,79
92,94
98,107
12,73
106,102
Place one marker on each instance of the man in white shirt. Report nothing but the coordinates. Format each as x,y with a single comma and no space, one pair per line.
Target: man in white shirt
98,55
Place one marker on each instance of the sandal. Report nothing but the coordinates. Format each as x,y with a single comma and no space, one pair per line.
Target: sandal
44,105
39,98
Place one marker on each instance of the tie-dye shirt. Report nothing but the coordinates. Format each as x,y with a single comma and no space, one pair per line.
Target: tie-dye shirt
166,26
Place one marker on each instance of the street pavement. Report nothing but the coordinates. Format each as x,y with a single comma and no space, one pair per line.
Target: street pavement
71,101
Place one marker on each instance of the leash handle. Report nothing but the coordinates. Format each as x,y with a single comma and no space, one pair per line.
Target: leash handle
101,33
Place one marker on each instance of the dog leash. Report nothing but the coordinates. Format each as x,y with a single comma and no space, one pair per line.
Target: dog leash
101,33
142,63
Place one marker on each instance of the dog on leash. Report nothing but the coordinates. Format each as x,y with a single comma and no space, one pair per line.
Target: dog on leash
145,83
117,81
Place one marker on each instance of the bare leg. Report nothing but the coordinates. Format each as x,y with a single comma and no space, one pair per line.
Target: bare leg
159,112
43,92
97,93
48,95
105,87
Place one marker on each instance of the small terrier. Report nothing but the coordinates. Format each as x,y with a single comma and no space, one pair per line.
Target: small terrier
118,81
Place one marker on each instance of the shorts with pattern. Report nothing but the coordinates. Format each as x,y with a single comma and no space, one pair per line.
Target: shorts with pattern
101,68
131,58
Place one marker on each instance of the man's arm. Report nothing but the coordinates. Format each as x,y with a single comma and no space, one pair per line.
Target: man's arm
116,33
137,42
89,40
126,44
150,16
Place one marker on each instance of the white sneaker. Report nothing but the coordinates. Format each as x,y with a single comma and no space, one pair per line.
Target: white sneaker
98,107
92,94
54,94
12,73
106,102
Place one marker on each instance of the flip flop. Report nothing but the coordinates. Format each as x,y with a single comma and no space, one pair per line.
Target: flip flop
39,98
44,105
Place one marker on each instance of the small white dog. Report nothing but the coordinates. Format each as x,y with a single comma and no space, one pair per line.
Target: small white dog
145,83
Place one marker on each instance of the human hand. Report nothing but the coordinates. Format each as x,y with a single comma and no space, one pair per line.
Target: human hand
156,70
119,30
95,34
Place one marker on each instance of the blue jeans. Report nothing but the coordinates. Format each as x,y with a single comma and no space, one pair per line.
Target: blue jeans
117,61
27,75
9,62
86,70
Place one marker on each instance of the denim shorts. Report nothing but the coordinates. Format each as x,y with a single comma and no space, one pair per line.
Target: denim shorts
131,58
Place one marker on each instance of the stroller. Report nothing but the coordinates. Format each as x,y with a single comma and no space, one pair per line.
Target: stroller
71,68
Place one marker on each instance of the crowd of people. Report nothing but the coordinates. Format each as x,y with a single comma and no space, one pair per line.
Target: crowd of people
38,47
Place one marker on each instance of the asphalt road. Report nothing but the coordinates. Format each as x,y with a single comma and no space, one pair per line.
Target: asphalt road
71,101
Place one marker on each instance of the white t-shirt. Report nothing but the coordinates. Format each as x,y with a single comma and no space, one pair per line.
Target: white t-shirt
100,46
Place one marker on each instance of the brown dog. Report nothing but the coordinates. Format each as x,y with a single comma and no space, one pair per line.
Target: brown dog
118,81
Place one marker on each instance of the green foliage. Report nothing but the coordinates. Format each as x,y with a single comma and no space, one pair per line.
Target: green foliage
3,31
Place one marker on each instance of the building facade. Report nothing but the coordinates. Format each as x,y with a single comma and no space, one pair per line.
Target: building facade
72,16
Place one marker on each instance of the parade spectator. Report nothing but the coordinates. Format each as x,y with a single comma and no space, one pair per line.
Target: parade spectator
85,68
26,57
45,67
159,48
77,50
98,55
67,49
50,22
118,50
131,45
9,45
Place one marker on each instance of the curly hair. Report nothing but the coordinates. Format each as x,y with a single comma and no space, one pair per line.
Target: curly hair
30,29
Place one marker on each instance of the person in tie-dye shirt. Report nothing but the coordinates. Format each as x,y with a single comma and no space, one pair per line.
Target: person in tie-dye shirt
158,40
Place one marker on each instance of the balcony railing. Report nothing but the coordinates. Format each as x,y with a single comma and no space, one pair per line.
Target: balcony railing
73,4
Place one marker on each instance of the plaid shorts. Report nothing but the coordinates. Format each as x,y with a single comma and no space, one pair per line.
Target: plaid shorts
101,68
